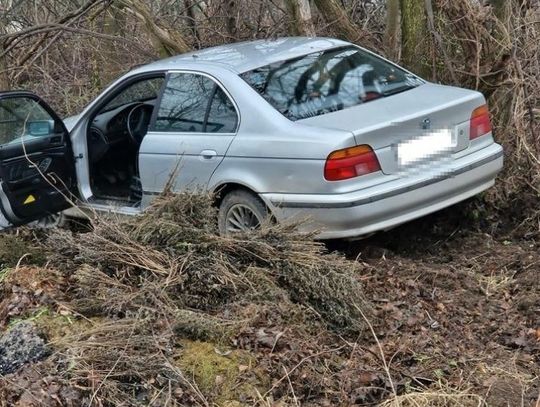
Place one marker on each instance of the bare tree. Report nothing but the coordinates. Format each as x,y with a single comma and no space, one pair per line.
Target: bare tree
334,14
192,19
501,8
166,41
231,9
4,79
391,37
414,32
300,17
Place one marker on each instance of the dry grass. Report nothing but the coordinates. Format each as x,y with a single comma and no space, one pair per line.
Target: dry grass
145,282
199,319
172,256
436,399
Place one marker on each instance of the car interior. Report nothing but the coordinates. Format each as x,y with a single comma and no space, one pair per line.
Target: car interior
115,134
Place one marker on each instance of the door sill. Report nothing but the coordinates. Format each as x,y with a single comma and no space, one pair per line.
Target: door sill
113,202
89,211
113,206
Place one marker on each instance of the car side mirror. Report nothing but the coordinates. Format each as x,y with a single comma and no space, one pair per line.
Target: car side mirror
39,128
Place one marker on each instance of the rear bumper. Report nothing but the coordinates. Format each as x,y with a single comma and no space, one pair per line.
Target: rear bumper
391,203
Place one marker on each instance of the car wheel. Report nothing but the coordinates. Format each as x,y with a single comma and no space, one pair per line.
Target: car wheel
241,211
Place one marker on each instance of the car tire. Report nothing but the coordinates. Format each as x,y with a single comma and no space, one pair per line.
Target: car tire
241,211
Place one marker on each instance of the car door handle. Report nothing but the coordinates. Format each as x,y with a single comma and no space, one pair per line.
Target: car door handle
208,154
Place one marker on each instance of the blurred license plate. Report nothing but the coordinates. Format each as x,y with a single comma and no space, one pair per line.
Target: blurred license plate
426,147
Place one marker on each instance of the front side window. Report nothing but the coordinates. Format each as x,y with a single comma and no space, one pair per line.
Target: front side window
142,91
327,81
193,103
23,119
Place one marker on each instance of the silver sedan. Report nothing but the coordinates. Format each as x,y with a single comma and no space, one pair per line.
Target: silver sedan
311,130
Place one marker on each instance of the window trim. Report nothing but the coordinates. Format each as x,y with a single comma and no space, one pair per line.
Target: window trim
217,82
209,108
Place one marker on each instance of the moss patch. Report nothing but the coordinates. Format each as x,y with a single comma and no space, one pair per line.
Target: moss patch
53,325
4,274
56,326
13,248
229,376
33,317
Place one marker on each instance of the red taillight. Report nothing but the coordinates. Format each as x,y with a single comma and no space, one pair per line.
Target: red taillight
350,162
480,122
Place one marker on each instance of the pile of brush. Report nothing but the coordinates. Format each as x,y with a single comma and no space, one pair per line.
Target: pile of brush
148,292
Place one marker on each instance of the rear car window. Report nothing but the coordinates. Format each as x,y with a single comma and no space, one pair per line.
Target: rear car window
328,81
222,114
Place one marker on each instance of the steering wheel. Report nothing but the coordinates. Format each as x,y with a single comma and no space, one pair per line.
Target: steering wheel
137,125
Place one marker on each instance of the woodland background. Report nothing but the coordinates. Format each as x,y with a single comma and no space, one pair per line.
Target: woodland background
68,50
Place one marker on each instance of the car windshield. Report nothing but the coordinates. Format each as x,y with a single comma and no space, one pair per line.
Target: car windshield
328,81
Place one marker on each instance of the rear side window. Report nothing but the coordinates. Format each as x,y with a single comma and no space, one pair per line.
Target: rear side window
222,114
194,103
327,81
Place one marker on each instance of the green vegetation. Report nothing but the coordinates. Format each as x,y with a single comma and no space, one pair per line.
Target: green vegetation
225,374
16,249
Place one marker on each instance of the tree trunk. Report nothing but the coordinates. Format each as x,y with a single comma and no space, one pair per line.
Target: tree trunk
114,22
334,14
391,39
230,7
414,36
166,41
300,18
4,77
501,8
192,19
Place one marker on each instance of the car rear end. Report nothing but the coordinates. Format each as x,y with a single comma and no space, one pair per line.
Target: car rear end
416,147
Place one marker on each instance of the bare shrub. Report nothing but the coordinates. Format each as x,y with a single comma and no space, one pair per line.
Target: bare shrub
169,272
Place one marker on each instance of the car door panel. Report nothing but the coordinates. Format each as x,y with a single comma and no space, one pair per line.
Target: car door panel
36,162
191,131
185,157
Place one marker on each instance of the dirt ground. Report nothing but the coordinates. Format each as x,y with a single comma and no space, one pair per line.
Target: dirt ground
458,304
451,317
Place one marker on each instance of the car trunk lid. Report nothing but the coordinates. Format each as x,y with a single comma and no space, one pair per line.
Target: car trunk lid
386,123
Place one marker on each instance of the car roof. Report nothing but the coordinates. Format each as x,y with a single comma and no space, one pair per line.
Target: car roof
245,56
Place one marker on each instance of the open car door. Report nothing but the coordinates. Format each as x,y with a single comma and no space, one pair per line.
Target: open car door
37,171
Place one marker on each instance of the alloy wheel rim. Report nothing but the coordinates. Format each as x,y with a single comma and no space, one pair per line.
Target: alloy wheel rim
240,218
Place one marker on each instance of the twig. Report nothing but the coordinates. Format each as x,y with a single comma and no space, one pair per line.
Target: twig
304,360
383,358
